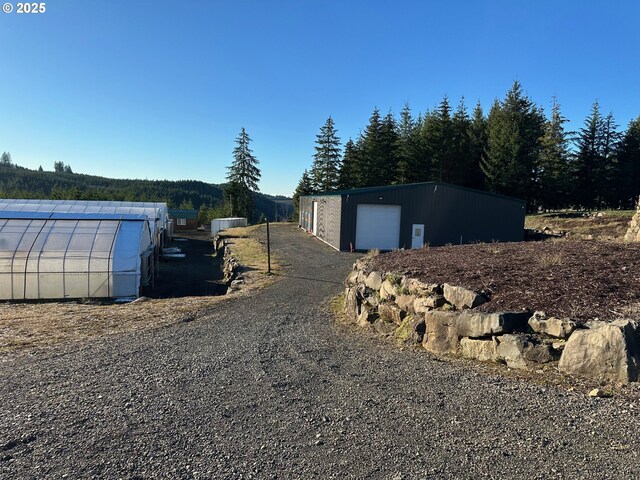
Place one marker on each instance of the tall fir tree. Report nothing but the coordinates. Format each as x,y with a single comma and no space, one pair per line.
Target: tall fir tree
325,170
5,159
349,175
388,149
588,167
439,142
463,170
477,147
305,187
609,143
554,182
510,163
371,164
628,180
405,151
243,176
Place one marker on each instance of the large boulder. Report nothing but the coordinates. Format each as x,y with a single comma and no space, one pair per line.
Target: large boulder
483,350
367,316
388,291
373,280
425,304
633,233
383,327
411,330
352,278
391,313
422,289
607,351
405,302
517,350
462,298
440,334
554,327
351,304
478,324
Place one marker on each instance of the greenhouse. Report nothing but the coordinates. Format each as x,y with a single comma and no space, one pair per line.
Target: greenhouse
46,255
156,212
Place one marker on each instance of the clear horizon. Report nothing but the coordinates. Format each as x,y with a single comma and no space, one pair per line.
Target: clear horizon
159,90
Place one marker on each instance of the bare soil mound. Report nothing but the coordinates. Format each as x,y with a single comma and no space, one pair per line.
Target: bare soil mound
582,280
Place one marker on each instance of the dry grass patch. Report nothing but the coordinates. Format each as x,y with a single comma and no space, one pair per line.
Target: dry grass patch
610,224
249,246
37,325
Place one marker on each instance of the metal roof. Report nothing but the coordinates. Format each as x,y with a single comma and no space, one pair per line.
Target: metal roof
382,188
8,214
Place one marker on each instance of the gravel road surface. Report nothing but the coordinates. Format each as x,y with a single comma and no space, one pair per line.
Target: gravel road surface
268,386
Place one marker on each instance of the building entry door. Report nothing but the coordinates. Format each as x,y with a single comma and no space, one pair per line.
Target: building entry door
417,237
314,228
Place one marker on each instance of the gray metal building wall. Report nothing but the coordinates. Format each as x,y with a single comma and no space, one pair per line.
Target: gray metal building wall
460,215
449,213
410,198
329,215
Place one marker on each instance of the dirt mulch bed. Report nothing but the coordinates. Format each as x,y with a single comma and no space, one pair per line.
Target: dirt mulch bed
581,280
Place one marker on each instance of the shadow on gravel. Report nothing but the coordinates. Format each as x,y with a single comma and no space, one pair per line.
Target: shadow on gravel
308,278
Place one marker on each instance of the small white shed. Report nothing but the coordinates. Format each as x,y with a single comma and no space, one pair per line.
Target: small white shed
218,224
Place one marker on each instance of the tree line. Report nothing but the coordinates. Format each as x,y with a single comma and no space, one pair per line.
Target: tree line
515,150
63,184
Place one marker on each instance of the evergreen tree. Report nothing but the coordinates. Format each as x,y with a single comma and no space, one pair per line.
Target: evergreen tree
67,169
510,163
40,169
371,164
58,167
553,177
243,176
629,166
588,167
5,159
609,143
463,170
427,169
349,176
326,161
388,149
477,147
405,149
305,187
439,142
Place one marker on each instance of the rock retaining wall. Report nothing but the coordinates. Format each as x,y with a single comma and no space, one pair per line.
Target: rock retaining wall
231,268
443,319
633,233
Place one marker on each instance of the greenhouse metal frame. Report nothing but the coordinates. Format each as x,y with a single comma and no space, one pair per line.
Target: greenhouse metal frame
52,255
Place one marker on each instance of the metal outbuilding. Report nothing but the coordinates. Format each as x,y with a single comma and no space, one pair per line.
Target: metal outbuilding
411,216
47,255
218,224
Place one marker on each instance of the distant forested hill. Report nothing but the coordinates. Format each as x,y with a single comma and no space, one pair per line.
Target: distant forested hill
19,182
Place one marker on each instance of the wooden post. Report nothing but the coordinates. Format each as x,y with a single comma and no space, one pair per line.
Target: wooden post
268,249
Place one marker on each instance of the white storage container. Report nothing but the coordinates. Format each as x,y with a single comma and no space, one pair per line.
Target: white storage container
218,224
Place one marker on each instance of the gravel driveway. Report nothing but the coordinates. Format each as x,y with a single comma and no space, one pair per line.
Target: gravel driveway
268,386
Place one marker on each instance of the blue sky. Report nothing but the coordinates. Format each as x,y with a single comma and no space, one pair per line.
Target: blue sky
160,89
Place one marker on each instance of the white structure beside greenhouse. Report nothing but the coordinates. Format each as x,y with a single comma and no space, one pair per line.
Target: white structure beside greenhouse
156,212
47,255
218,224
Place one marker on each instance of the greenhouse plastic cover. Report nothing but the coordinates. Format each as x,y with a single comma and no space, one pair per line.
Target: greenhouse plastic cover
153,210
61,255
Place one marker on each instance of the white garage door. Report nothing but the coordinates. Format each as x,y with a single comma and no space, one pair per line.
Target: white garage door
378,226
